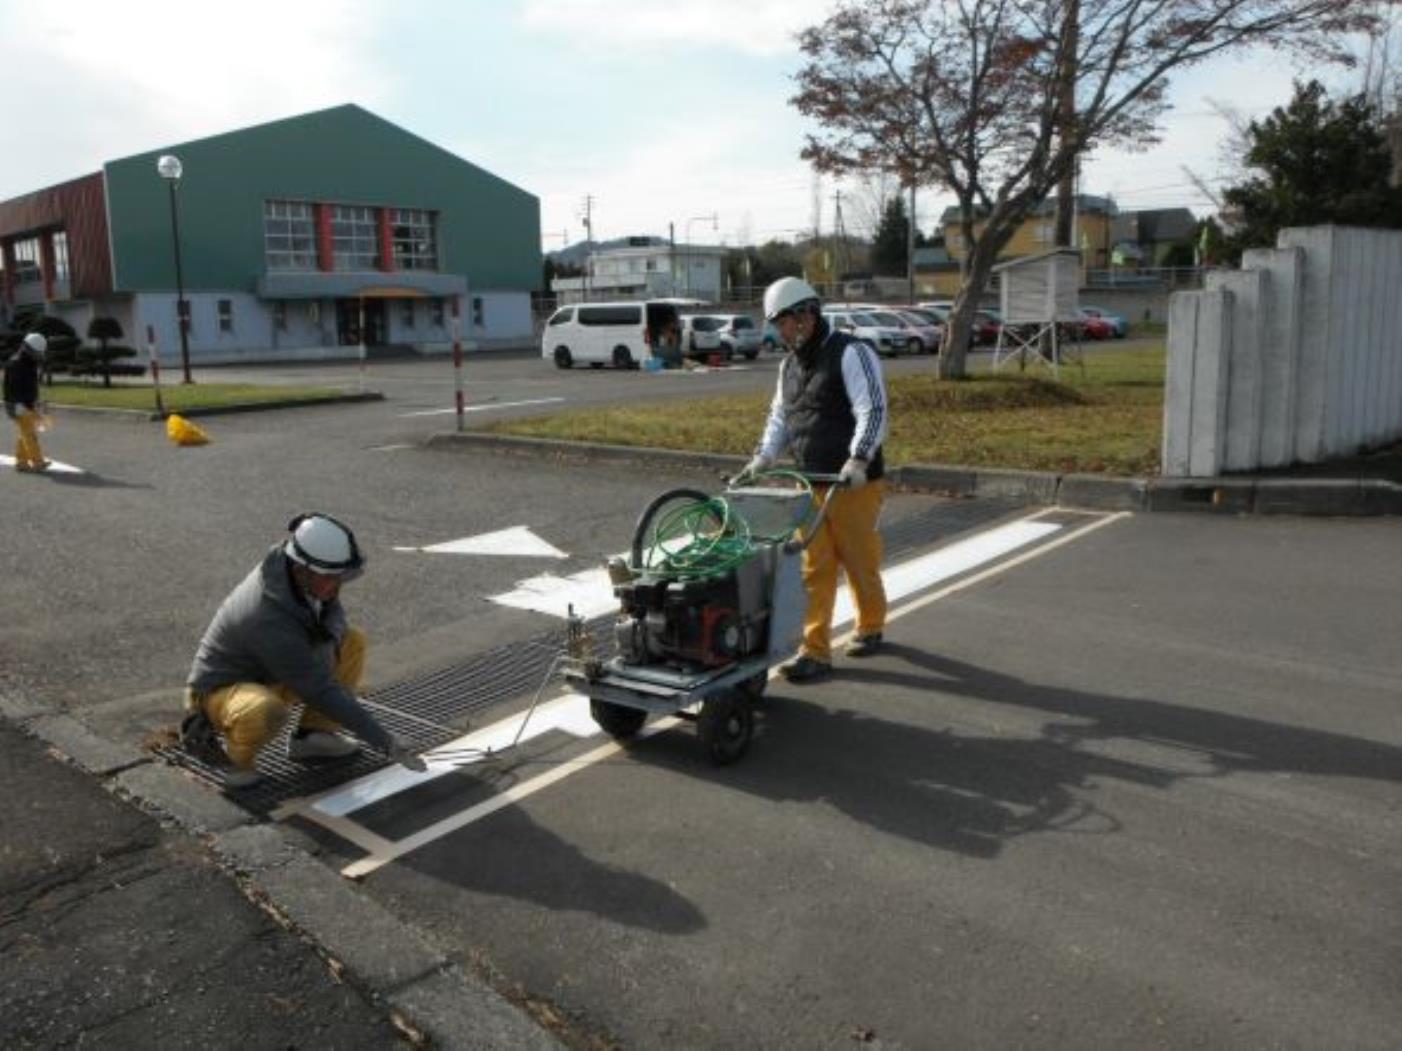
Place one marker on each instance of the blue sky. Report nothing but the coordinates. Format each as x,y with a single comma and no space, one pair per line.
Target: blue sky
664,112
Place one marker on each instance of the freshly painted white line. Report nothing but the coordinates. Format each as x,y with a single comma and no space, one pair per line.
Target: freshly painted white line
56,466
482,408
568,713
367,865
518,540
395,447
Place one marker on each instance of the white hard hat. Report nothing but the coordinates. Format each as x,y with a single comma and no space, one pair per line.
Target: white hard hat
323,545
785,294
37,343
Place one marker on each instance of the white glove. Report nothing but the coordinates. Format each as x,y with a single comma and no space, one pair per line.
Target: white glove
758,465
854,473
407,759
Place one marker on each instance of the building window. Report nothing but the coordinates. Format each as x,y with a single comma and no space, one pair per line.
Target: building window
436,312
289,235
406,313
477,311
415,243
280,315
353,237
27,268
61,255
1045,233
226,315
313,311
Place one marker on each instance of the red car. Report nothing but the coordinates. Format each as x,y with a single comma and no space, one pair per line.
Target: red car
1095,327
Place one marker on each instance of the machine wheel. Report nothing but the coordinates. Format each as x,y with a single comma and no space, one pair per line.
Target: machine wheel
617,720
563,358
725,726
621,358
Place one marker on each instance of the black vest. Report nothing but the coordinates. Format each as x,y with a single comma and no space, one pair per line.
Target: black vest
817,410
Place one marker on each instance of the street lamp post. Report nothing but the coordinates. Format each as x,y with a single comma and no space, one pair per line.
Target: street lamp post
170,170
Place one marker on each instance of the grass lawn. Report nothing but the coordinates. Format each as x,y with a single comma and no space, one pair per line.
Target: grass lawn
1108,420
178,397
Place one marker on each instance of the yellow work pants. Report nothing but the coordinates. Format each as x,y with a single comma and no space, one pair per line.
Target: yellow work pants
847,539
250,714
27,451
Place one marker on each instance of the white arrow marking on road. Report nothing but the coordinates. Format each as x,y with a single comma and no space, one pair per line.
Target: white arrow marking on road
518,540
55,466
482,408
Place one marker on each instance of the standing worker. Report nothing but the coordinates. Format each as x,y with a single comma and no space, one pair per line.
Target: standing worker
829,411
22,401
279,639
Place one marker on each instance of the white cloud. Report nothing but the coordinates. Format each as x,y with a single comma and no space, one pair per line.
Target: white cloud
104,80
755,27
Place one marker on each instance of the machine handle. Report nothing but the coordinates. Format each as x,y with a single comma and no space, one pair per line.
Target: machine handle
834,482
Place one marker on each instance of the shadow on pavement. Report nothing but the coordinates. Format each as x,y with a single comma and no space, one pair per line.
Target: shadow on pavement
966,792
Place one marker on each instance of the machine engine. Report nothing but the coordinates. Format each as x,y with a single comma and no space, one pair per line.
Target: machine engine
708,622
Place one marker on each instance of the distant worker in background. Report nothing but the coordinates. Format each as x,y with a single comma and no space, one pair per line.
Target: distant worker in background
279,639
829,411
22,401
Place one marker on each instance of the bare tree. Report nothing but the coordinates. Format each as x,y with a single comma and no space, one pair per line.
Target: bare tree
967,94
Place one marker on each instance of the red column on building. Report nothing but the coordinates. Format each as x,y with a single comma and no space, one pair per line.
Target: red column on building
46,262
325,247
7,252
386,241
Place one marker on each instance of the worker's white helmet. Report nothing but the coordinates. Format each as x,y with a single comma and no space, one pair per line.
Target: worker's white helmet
324,545
36,344
785,294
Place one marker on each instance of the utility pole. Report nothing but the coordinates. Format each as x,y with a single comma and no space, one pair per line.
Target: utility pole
1065,235
588,241
840,233
910,247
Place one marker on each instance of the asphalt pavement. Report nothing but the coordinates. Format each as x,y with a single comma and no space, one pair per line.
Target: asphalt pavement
1135,786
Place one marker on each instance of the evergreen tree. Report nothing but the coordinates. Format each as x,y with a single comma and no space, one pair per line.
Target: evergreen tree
1317,161
889,248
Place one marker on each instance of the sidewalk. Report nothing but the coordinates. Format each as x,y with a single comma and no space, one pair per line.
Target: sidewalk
140,910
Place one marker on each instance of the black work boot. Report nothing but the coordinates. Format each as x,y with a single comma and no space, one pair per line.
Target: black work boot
865,645
805,669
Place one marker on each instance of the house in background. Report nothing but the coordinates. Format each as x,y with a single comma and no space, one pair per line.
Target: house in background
1144,239
1037,233
645,267
296,237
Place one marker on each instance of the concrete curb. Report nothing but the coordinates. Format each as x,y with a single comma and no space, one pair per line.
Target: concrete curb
1341,497
146,416
392,961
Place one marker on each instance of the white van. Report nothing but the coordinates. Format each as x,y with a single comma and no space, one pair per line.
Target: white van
623,335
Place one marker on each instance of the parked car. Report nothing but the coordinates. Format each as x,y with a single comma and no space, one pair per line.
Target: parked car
769,338
1118,324
738,335
987,325
924,336
885,340
700,336
623,334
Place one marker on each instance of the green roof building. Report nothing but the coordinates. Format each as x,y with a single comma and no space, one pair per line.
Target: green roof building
296,240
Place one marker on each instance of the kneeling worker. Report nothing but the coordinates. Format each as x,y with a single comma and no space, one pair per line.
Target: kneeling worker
280,639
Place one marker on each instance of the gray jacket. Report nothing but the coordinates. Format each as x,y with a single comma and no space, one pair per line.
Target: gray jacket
266,632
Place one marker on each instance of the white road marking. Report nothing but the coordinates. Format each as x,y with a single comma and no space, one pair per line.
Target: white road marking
518,540
591,594
482,408
56,466
570,712
391,448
